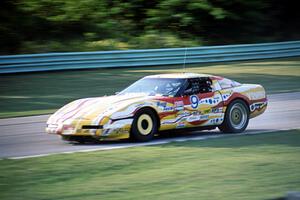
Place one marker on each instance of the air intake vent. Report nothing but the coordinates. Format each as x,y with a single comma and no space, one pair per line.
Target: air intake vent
92,127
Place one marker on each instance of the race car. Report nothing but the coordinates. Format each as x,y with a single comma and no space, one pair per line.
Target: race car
161,102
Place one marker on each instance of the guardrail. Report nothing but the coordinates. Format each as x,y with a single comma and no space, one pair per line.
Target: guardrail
150,57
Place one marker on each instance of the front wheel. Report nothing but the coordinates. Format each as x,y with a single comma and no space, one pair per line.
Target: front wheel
236,117
144,125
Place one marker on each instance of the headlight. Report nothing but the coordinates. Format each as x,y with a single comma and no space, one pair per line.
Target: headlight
68,129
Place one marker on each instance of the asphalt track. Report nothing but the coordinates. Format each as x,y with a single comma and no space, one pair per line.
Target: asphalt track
25,136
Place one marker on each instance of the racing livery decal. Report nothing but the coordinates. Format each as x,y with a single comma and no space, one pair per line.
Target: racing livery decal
173,101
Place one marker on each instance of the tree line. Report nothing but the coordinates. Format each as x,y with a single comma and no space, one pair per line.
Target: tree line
34,26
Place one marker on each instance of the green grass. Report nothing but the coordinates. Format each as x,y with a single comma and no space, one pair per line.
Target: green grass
262,166
33,93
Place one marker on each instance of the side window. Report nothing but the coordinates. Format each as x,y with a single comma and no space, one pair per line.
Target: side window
198,85
205,85
226,83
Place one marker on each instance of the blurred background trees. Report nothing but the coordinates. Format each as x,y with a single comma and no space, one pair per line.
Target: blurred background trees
35,26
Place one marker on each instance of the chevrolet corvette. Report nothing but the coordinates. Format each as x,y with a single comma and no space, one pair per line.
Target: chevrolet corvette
161,102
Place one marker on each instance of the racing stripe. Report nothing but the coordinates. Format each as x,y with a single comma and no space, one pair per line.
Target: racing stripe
73,112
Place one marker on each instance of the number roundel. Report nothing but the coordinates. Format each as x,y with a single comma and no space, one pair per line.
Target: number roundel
194,101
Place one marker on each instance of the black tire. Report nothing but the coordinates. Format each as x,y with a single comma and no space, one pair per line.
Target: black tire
236,117
144,125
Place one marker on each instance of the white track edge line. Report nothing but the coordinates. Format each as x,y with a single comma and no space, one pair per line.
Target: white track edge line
151,143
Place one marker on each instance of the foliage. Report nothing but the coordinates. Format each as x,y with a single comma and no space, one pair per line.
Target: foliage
29,25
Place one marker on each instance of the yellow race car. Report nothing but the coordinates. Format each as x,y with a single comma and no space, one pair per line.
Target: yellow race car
161,102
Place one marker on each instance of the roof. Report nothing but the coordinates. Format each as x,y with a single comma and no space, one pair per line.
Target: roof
179,75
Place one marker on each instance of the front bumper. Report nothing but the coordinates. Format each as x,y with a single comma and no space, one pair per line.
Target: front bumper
118,129
54,129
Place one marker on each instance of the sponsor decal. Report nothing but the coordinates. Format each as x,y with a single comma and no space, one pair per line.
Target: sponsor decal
184,114
204,117
167,122
179,105
161,104
226,96
168,108
210,100
196,113
178,119
257,106
164,107
216,121
206,111
180,125
193,118
119,131
217,110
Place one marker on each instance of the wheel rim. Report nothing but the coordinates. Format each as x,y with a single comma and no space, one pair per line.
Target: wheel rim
238,116
144,124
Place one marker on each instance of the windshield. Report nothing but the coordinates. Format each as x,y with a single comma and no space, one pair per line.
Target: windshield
155,86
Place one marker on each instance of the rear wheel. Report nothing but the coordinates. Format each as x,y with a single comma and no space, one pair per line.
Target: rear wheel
236,117
144,125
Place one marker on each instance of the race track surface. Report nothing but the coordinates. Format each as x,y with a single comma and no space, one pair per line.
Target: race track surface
25,136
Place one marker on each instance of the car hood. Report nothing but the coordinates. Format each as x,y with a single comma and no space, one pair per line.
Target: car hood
96,108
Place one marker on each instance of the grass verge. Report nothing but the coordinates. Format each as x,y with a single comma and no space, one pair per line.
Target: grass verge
262,166
33,93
